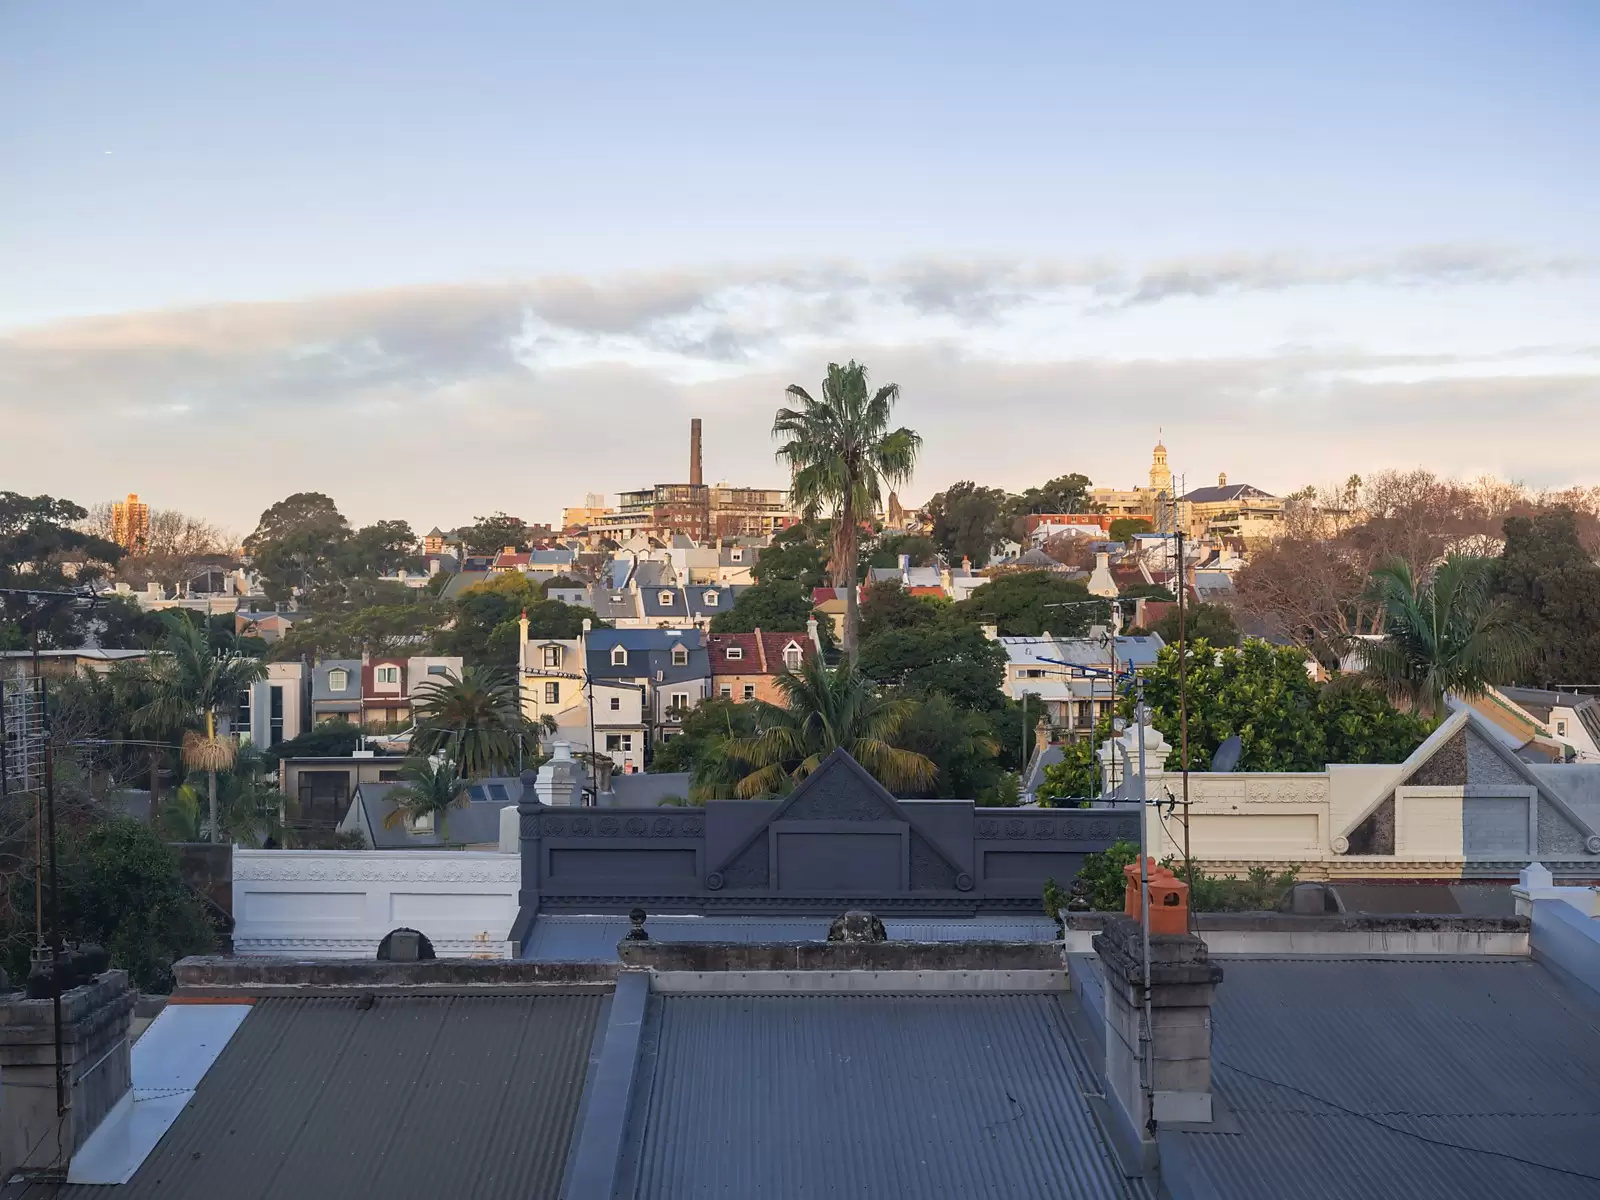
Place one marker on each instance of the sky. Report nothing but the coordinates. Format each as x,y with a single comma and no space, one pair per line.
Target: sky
440,260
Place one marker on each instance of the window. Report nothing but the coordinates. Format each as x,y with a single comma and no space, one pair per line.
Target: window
552,656
613,742
627,742
386,675
749,691
388,776
665,599
711,599
338,679
438,669
725,691
241,714
616,704
1032,673
736,554
324,796
619,656
680,656
678,706
275,718
552,693
792,656
735,653
1561,729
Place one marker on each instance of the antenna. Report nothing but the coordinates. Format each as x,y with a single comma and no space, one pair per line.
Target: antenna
1227,756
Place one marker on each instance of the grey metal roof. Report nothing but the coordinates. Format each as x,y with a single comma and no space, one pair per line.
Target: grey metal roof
641,791
865,1096
1372,1063
421,1096
563,937
1225,492
474,823
649,651
319,679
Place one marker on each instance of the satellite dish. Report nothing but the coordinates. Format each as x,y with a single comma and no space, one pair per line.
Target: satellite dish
1227,756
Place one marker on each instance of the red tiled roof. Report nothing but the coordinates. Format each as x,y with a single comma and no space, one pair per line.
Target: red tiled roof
762,654
510,560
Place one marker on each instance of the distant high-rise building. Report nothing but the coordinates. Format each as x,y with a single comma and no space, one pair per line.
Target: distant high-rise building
130,524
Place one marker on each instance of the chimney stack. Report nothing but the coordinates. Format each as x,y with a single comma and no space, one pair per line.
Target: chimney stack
694,452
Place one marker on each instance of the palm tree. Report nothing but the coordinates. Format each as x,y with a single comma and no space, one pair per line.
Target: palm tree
1443,634
476,720
190,683
826,709
843,454
428,787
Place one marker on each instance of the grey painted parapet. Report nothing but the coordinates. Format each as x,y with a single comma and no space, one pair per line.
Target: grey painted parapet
838,841
1566,939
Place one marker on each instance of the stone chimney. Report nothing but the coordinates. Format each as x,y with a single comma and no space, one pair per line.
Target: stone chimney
695,478
1183,984
814,633
560,782
95,1063
522,636
1100,581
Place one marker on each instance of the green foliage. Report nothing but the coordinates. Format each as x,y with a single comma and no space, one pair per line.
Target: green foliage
959,742
826,709
328,739
1213,622
709,722
886,605
1284,721
490,535
1102,873
781,606
1123,528
843,455
484,626
920,550
940,656
1554,584
1055,902
969,521
1071,781
296,544
795,556
1448,633
1064,494
1147,591
428,788
475,721
120,889
124,625
1025,604
377,629
1259,891
41,548
1004,792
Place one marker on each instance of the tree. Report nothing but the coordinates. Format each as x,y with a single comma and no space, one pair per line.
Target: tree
485,629
249,807
191,685
961,744
1123,528
375,629
475,720
123,625
490,535
886,605
1213,622
1075,778
382,548
1071,550
969,521
920,550
428,789
1444,634
827,709
296,546
1028,603
1064,494
336,738
843,456
713,721
40,548
796,555
949,658
782,606
177,547
1548,574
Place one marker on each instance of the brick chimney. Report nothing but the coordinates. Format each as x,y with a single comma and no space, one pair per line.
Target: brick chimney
694,452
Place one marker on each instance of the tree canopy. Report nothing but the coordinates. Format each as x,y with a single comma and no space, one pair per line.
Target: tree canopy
41,547
1028,603
1549,576
970,521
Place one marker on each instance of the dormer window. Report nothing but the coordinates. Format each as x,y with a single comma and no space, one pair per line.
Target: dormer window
735,653
665,599
680,656
792,656
552,656
386,675
619,656
737,554
711,599
338,679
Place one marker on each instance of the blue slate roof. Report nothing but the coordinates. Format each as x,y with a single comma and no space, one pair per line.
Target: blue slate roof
649,651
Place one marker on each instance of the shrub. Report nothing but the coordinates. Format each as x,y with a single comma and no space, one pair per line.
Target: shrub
1102,872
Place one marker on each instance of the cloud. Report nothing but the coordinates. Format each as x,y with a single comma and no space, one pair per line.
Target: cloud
438,403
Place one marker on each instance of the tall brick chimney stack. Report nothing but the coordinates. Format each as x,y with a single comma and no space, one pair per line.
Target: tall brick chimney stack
694,451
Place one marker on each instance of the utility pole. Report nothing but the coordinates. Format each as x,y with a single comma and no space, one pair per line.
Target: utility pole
1183,718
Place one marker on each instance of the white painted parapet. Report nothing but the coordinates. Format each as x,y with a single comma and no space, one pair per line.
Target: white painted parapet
340,903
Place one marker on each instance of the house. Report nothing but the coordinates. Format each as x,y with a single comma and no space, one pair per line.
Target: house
60,664
321,786
376,692
474,825
336,691
1570,718
275,709
661,605
268,626
669,665
1067,677
1237,511
608,714
746,666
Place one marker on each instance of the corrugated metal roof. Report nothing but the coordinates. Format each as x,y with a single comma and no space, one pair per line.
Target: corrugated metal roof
1493,1054
420,1096
867,1096
562,937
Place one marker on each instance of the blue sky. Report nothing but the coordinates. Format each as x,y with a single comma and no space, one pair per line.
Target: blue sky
1303,239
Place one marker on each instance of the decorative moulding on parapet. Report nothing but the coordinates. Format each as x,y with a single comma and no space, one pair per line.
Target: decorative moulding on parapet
879,806
375,866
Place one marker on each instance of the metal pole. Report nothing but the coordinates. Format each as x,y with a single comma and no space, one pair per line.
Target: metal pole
1145,1034
1183,721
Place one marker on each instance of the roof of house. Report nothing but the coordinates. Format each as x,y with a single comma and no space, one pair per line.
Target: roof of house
646,790
319,679
1541,702
462,580
413,1096
867,1095
911,576
475,823
1225,493
1140,651
649,651
1399,1077
758,655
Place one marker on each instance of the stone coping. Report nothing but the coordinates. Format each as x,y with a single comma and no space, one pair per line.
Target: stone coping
842,956
212,975
1275,922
